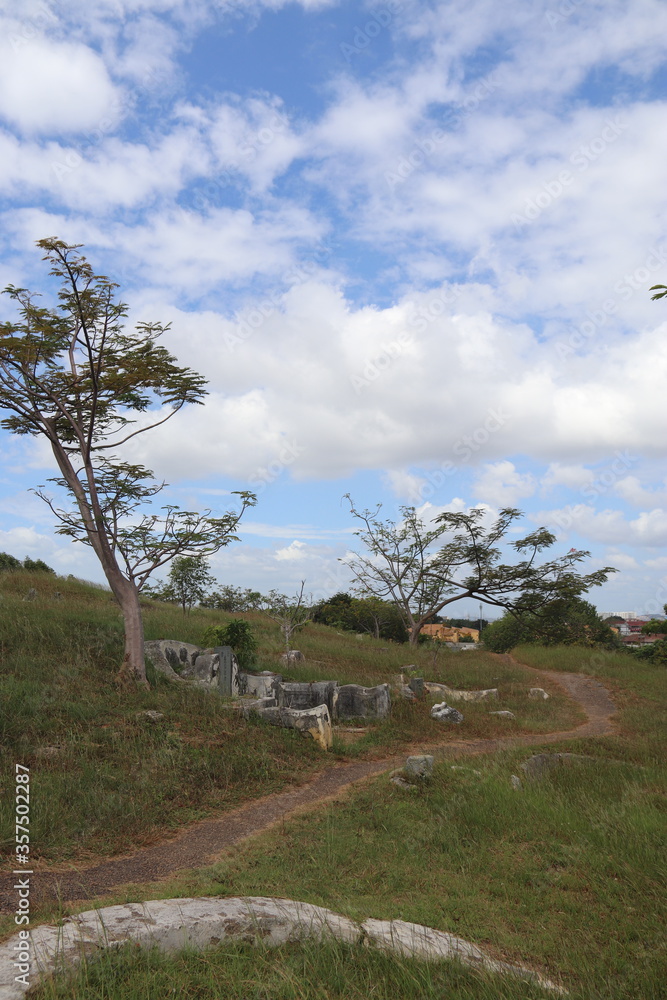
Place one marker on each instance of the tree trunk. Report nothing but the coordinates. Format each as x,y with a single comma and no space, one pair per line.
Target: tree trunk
133,669
414,633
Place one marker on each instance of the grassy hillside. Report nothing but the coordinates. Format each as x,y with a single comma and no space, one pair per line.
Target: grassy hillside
566,875
105,780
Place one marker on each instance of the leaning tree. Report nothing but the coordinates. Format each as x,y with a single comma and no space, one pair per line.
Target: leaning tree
75,376
422,568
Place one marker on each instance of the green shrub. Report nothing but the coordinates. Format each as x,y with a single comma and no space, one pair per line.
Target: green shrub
239,635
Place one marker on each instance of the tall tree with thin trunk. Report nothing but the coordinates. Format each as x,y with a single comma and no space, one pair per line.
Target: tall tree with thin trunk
424,568
73,375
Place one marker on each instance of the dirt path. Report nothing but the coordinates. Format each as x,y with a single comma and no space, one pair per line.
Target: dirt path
199,844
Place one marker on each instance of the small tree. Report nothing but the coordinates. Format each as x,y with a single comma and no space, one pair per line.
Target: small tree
73,375
189,579
404,565
291,613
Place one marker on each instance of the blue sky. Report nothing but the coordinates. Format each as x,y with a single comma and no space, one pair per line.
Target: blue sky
410,245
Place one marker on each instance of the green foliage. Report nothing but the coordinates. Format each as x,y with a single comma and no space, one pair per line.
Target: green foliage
654,652
560,622
37,566
404,564
381,619
232,599
189,579
238,633
11,564
655,625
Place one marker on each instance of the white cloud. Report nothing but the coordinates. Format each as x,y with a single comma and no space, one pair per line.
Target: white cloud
648,529
502,485
575,477
51,87
295,551
632,491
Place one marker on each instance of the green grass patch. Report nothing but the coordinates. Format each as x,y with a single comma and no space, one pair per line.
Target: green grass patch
306,971
566,875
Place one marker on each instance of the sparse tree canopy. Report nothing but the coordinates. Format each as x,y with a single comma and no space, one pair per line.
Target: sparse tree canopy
189,579
408,564
73,375
291,613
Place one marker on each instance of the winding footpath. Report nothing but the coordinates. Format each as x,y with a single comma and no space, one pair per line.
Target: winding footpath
201,843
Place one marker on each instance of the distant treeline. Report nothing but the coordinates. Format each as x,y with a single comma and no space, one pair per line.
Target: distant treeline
11,564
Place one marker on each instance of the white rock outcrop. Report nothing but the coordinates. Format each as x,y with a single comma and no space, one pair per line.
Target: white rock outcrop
173,924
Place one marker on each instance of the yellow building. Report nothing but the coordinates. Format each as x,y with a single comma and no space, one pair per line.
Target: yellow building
450,633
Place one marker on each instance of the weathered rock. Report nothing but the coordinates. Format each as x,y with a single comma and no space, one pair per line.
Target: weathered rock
254,705
174,924
407,693
47,751
467,770
292,694
538,694
504,714
150,715
170,657
452,694
417,941
183,662
446,714
262,685
400,781
419,766
205,671
416,685
315,722
292,656
357,702
515,781
541,763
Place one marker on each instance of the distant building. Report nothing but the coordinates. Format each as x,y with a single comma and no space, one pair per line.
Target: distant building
450,633
624,616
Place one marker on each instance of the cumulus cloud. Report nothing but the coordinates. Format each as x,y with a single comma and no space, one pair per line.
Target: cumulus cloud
503,485
51,87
